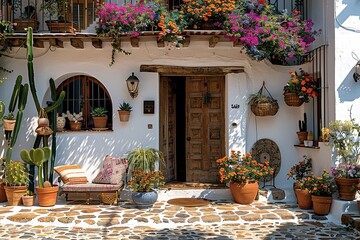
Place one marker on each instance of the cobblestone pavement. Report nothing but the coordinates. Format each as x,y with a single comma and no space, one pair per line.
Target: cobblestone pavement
218,220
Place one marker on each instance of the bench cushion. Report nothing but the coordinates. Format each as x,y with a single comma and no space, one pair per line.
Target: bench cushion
112,171
91,187
71,174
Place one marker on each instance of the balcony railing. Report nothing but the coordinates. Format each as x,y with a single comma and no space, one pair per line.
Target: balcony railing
80,15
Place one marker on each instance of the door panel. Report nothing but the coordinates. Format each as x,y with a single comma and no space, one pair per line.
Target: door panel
168,126
204,127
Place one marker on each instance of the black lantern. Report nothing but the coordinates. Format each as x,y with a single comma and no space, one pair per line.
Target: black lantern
133,84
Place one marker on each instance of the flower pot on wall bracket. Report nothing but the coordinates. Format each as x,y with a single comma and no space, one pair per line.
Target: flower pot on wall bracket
124,115
9,124
302,137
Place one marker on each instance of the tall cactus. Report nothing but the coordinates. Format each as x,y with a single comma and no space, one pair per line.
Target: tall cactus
37,157
19,95
2,111
51,109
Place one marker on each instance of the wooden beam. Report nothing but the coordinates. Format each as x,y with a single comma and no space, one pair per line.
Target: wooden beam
135,42
237,43
96,42
213,41
16,42
160,43
38,43
77,43
55,42
169,70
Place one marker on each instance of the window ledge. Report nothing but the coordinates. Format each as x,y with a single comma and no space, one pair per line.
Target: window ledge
84,131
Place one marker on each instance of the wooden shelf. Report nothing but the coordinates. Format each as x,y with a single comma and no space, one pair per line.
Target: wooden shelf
303,146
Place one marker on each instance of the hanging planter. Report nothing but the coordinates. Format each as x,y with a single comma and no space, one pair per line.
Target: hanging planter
293,100
263,105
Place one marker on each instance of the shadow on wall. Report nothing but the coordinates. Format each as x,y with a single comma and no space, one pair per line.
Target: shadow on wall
349,89
351,9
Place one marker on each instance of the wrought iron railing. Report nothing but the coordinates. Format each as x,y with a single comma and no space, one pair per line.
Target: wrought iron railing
80,15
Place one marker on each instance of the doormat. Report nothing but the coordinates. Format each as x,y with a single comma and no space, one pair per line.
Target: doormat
189,202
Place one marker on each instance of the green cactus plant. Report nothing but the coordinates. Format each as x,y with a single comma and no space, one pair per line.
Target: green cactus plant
303,124
16,174
37,157
48,171
2,112
19,95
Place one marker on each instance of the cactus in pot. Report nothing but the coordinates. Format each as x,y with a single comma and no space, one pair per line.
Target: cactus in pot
16,178
46,193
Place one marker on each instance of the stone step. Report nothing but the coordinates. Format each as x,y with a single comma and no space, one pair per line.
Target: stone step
352,220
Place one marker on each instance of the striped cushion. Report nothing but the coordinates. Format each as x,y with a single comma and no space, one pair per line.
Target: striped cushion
72,174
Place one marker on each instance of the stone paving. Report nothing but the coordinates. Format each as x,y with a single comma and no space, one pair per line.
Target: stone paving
221,219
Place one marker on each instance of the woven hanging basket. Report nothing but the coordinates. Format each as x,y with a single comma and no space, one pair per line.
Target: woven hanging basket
293,100
264,108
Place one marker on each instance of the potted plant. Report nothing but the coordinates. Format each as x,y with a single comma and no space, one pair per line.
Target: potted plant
343,136
124,111
302,133
242,172
28,199
75,120
27,18
143,185
46,193
300,88
99,117
60,9
321,188
144,159
263,105
298,172
16,178
266,33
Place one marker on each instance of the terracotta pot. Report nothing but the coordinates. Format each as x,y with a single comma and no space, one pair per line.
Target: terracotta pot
28,201
75,126
304,198
100,122
302,136
60,123
2,193
14,193
347,187
9,124
293,100
244,193
321,204
43,122
47,196
124,116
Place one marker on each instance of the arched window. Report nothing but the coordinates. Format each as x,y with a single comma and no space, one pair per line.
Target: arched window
83,94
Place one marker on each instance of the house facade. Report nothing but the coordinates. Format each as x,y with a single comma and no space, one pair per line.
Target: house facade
191,101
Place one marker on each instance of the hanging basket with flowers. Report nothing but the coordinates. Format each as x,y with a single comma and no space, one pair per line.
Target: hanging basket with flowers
300,88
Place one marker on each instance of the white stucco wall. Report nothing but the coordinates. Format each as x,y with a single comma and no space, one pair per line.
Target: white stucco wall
89,148
347,54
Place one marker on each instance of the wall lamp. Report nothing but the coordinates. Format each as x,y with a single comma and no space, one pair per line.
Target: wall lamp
133,85
356,74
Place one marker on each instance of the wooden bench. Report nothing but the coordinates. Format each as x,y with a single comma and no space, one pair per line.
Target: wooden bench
89,188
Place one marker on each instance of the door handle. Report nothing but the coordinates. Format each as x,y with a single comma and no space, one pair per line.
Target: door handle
188,138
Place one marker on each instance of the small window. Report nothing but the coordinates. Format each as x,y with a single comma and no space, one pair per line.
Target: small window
83,94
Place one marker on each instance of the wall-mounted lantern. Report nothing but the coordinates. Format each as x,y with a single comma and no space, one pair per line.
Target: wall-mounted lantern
133,85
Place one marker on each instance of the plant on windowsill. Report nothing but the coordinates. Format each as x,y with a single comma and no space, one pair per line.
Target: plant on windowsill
75,120
27,19
100,118
124,111
302,133
243,172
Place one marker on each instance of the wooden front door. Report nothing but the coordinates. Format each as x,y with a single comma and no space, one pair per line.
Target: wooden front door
205,126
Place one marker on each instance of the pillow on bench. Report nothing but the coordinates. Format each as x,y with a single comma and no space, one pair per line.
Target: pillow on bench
71,174
112,171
